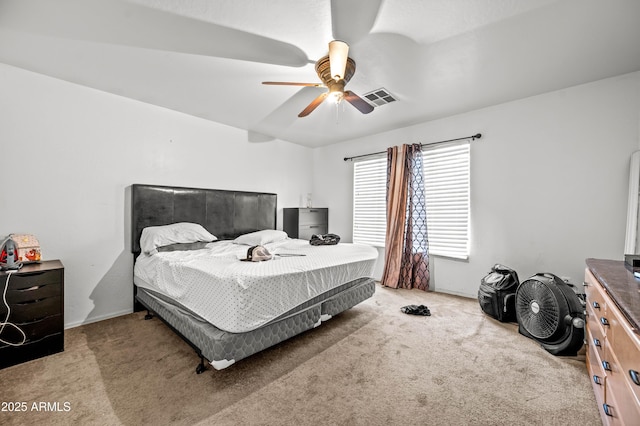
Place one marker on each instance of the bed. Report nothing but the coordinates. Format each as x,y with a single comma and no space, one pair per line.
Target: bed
227,309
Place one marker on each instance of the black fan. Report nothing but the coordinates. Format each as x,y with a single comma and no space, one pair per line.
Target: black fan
550,311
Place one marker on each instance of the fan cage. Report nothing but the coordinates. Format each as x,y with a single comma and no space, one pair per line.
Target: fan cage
541,308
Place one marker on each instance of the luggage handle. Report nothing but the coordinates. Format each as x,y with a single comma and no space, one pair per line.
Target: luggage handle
553,277
506,299
501,269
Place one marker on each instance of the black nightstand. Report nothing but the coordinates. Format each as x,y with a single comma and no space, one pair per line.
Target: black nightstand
302,223
36,298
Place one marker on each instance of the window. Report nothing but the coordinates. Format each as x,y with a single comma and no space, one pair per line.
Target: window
446,173
369,201
446,186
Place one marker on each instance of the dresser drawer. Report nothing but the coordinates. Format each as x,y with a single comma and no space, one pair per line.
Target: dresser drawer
313,217
596,295
595,336
627,351
610,411
619,394
594,366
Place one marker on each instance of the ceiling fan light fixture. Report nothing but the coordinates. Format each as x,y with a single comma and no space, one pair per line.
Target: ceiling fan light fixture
338,54
335,97
336,91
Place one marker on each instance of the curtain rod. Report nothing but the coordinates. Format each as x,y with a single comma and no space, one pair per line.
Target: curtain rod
474,137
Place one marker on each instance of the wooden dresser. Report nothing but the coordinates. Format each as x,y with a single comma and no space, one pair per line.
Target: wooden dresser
35,295
613,340
302,223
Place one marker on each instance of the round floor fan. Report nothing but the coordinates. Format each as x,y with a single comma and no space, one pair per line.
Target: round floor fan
550,311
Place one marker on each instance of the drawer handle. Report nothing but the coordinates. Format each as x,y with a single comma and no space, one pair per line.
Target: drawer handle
30,302
606,365
635,377
596,380
34,320
596,342
604,321
35,287
33,274
595,305
314,226
607,410
585,284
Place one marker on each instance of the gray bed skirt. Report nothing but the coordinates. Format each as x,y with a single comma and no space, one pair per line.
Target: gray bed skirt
222,348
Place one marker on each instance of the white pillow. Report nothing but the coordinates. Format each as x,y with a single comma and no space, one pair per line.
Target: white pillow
158,236
260,238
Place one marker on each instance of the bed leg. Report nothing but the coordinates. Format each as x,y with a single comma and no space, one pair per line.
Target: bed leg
148,316
201,367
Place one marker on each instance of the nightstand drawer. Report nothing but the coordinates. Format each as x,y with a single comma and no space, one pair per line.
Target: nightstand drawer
34,293
19,281
313,216
34,310
33,330
305,232
12,355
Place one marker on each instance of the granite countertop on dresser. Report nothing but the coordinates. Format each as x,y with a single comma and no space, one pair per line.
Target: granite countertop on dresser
621,285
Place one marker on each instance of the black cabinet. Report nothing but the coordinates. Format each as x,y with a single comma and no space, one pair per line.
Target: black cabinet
35,295
302,223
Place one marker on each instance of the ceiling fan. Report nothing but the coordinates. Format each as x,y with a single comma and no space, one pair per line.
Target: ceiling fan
334,70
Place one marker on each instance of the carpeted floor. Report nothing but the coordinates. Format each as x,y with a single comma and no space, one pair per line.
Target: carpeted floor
371,365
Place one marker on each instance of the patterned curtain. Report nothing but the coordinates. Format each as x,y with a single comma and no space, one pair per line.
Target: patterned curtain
406,247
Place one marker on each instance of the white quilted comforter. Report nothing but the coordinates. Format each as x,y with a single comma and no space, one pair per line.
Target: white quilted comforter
238,296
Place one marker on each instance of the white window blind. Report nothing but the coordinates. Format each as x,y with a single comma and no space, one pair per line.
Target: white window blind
446,173
446,181
369,201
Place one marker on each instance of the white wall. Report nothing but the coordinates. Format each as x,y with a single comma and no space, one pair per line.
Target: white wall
70,154
549,180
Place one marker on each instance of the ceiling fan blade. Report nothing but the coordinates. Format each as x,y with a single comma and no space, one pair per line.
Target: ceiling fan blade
128,24
289,83
313,105
280,119
360,104
352,20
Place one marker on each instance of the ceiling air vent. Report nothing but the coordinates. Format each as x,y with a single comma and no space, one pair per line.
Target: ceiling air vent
379,97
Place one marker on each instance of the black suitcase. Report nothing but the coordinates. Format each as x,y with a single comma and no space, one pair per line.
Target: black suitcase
497,292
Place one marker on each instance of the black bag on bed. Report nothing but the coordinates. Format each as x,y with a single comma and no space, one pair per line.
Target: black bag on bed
324,239
497,293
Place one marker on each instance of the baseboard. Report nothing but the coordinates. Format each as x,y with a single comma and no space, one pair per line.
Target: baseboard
97,319
456,293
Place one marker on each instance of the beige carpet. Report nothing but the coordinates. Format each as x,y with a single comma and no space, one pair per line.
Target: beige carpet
371,365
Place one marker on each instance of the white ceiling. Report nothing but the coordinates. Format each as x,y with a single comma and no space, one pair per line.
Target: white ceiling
208,58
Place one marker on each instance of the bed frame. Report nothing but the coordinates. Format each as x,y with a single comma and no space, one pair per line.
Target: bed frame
226,214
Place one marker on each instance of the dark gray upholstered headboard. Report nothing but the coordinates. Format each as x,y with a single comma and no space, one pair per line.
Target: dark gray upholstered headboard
226,214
